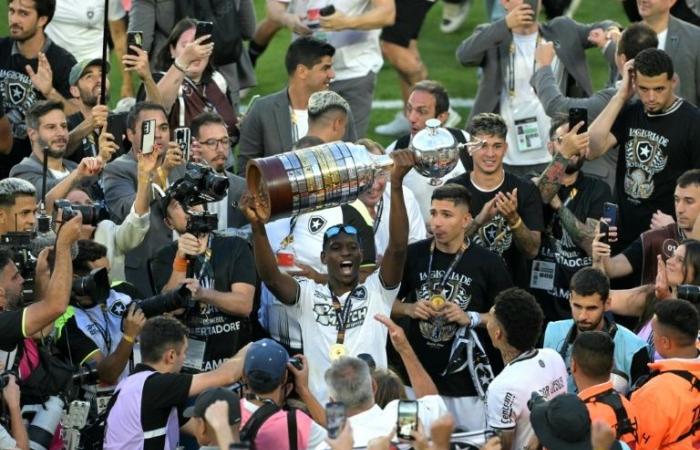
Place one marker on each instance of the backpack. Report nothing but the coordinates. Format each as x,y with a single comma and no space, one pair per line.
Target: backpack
228,42
250,430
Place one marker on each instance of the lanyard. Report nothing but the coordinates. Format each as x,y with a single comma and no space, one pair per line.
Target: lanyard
289,239
205,261
449,270
511,65
342,314
378,215
104,331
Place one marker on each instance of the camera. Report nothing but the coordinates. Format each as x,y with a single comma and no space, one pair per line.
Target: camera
199,223
199,185
92,214
296,362
94,285
689,292
166,302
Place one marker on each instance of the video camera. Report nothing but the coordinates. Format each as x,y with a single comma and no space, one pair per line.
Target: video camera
198,186
92,214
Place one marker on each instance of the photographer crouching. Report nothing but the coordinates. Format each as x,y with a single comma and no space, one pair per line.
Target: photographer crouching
218,269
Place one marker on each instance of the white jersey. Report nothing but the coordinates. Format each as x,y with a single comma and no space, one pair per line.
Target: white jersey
540,370
318,320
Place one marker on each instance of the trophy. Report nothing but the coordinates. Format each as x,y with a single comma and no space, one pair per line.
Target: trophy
336,173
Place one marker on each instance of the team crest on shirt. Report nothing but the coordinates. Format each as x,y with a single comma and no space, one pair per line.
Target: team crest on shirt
436,331
18,92
645,156
495,235
316,224
118,308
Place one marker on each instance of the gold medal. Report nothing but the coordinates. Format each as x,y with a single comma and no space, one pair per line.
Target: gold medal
337,351
437,301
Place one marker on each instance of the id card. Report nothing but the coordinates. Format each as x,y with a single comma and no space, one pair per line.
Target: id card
542,275
528,135
194,358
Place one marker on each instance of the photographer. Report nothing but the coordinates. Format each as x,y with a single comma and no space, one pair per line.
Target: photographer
119,239
222,282
17,206
17,438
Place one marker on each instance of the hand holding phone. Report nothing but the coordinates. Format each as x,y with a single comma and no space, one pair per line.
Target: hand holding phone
610,211
407,420
183,137
604,230
148,136
204,28
576,116
134,38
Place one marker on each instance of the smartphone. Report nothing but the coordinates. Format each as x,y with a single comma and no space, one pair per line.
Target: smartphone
605,229
610,211
204,28
407,420
577,115
335,418
183,139
148,136
326,11
134,38
116,125
534,4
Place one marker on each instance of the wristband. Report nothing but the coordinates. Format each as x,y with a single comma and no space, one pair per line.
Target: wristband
178,66
128,339
180,265
474,319
518,223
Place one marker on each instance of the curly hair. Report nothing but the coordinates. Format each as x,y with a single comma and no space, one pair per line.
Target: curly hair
520,316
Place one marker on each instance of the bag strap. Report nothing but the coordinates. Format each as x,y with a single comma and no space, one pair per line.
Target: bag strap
256,421
624,423
292,429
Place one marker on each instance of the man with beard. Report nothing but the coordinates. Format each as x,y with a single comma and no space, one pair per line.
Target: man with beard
211,136
573,202
48,133
590,299
656,141
31,68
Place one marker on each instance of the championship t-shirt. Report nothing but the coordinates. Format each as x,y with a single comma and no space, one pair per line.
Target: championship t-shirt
19,94
559,257
539,370
473,283
319,324
496,235
655,149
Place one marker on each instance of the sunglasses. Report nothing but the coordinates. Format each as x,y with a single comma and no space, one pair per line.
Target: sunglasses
336,229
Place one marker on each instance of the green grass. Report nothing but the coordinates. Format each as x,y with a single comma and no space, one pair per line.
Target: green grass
437,50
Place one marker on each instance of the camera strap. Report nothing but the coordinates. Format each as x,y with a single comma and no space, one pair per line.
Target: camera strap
205,269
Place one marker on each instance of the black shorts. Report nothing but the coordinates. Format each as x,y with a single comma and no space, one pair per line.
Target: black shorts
410,15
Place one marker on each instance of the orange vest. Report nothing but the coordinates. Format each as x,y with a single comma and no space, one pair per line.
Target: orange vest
602,407
669,406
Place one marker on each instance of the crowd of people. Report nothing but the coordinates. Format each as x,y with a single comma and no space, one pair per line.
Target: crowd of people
542,294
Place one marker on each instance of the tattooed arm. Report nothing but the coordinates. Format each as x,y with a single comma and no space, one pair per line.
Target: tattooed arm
565,146
550,181
582,234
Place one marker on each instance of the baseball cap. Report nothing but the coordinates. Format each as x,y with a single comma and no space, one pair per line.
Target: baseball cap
78,70
265,365
322,100
208,397
562,423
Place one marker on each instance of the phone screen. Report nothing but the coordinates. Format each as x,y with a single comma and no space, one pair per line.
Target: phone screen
148,136
134,38
407,418
183,139
604,228
610,213
335,418
577,115
204,28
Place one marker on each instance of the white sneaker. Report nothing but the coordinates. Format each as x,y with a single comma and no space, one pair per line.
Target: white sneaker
453,119
397,127
454,15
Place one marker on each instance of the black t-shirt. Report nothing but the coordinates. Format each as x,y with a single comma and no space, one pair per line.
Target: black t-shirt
18,93
116,125
654,151
473,284
496,234
559,257
73,344
221,333
11,326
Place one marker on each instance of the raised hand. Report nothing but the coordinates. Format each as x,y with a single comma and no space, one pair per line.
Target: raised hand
42,79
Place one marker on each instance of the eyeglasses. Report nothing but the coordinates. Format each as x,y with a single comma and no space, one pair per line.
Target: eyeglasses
336,229
212,143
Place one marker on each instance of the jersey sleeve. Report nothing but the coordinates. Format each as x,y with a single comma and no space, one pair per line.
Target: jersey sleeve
305,298
620,126
635,255
503,408
12,326
375,284
165,390
75,346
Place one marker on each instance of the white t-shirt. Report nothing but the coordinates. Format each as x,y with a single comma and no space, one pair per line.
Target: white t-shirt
59,174
357,52
300,123
314,312
540,370
77,26
524,106
423,187
662,39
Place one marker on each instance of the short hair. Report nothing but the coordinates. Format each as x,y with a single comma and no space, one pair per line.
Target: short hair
44,8
489,124
558,119
40,109
159,335
589,281
88,251
636,37
133,115
689,177
593,352
205,118
458,194
521,317
438,91
371,145
11,188
307,141
6,257
680,316
306,51
653,62
349,381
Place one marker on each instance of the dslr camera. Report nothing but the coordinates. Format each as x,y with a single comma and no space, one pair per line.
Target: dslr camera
92,214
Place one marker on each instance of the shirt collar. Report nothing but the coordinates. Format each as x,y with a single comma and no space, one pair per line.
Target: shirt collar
44,49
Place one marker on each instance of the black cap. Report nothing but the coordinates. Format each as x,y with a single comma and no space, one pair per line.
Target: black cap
208,397
562,423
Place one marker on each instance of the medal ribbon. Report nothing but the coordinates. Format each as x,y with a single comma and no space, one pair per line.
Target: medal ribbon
449,270
342,314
